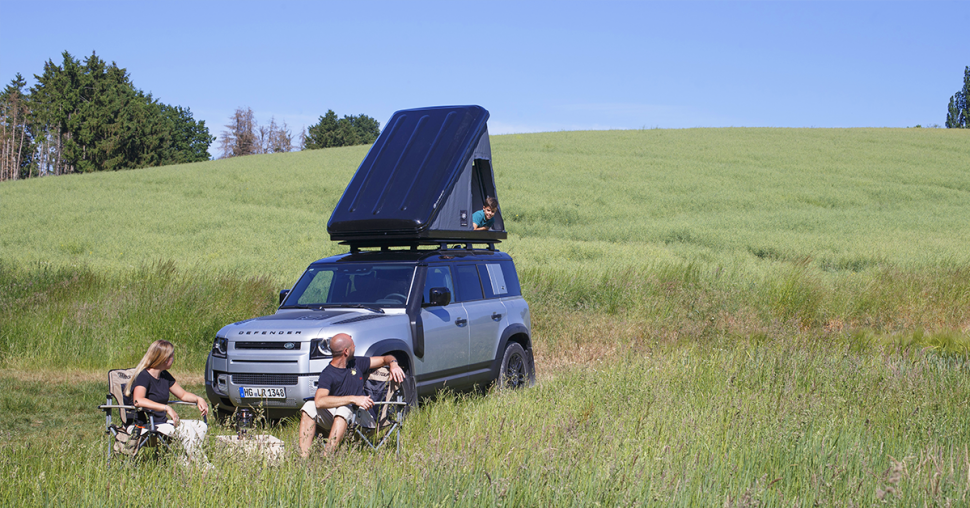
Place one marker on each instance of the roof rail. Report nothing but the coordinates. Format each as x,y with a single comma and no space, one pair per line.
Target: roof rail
413,244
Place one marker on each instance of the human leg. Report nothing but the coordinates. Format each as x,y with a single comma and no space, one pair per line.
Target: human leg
310,419
342,415
191,433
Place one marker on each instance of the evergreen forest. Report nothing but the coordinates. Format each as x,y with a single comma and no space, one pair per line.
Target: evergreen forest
88,116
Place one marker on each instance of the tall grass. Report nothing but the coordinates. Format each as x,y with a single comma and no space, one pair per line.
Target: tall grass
732,317
76,318
768,420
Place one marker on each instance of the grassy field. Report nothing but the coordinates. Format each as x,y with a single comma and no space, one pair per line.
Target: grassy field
732,317
848,200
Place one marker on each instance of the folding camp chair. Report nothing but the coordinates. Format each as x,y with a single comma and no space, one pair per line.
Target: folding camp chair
392,401
376,426
129,438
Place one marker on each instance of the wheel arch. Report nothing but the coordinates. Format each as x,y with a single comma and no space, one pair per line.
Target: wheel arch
518,333
396,347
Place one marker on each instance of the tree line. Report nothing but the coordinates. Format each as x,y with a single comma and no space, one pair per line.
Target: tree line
958,113
244,135
88,116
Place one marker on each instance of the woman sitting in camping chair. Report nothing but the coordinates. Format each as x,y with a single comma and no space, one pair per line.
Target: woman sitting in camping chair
149,389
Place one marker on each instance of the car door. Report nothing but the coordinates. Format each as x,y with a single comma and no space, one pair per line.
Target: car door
486,314
445,329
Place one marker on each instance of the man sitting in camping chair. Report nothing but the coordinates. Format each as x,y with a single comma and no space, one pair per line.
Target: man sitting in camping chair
340,388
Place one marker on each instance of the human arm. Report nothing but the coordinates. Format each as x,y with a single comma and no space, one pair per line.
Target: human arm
139,397
189,397
480,222
397,373
323,400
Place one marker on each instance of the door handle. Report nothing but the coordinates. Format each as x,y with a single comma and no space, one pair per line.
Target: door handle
461,321
496,316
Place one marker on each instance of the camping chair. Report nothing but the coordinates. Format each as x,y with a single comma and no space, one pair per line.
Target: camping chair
392,401
376,426
129,438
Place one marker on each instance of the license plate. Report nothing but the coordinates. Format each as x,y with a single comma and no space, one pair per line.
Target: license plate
248,392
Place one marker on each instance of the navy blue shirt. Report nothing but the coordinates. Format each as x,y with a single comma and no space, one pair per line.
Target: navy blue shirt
156,390
347,381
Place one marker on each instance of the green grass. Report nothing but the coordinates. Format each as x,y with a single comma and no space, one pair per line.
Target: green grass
76,318
847,199
730,317
766,421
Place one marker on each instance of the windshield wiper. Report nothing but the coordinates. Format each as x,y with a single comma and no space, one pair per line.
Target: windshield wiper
311,307
372,308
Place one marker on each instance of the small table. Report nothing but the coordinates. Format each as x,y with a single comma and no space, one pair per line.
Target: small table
269,447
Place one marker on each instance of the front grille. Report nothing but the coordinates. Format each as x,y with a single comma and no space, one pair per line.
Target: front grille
266,379
295,346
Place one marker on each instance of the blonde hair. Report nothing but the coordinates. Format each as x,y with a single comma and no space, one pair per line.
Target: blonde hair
156,356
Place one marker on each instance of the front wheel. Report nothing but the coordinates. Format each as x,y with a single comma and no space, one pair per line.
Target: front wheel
516,371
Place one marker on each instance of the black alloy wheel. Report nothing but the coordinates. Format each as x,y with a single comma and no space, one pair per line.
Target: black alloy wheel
514,373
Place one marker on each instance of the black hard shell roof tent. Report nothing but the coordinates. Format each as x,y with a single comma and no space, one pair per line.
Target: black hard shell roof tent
421,181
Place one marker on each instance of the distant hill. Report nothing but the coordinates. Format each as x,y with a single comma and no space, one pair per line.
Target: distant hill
840,199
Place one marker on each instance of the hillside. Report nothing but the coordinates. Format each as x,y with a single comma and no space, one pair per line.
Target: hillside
846,199
721,317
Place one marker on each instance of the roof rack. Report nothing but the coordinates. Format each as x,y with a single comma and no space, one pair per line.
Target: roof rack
413,244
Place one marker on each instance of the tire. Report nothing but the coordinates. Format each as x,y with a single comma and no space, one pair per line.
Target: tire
407,393
516,370
410,389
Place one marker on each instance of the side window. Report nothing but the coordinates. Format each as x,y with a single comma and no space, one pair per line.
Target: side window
438,277
511,278
493,280
468,284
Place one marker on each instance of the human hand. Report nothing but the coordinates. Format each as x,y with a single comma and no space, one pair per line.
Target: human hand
363,402
172,415
397,373
203,407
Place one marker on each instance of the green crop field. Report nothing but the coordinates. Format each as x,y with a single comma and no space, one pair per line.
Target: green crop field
731,317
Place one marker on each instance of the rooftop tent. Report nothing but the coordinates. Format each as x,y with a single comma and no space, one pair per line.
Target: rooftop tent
427,173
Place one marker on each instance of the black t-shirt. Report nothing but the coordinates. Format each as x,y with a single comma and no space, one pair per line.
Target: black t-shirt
347,381
156,390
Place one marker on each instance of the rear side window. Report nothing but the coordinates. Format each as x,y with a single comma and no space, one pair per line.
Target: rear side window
511,278
469,287
493,280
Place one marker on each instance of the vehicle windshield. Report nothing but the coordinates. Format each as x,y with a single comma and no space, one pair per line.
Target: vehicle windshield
348,285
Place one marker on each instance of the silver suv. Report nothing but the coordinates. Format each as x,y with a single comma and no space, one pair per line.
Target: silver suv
454,317
431,289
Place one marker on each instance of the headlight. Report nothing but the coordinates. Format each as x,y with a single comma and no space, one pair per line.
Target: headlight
219,347
320,348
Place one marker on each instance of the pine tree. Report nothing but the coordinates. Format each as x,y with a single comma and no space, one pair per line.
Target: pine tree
347,131
90,117
15,139
958,113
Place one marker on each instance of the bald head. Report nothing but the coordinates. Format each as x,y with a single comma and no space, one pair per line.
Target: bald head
340,343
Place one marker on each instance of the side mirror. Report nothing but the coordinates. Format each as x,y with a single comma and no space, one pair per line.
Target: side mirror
439,297
283,293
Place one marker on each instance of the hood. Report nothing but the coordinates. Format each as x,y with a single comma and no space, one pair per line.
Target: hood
292,324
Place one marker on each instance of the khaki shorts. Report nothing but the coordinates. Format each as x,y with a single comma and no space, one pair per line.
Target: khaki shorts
325,418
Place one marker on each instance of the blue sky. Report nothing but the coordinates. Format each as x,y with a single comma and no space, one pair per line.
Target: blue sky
536,66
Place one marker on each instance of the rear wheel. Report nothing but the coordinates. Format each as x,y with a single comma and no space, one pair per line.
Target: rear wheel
516,371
